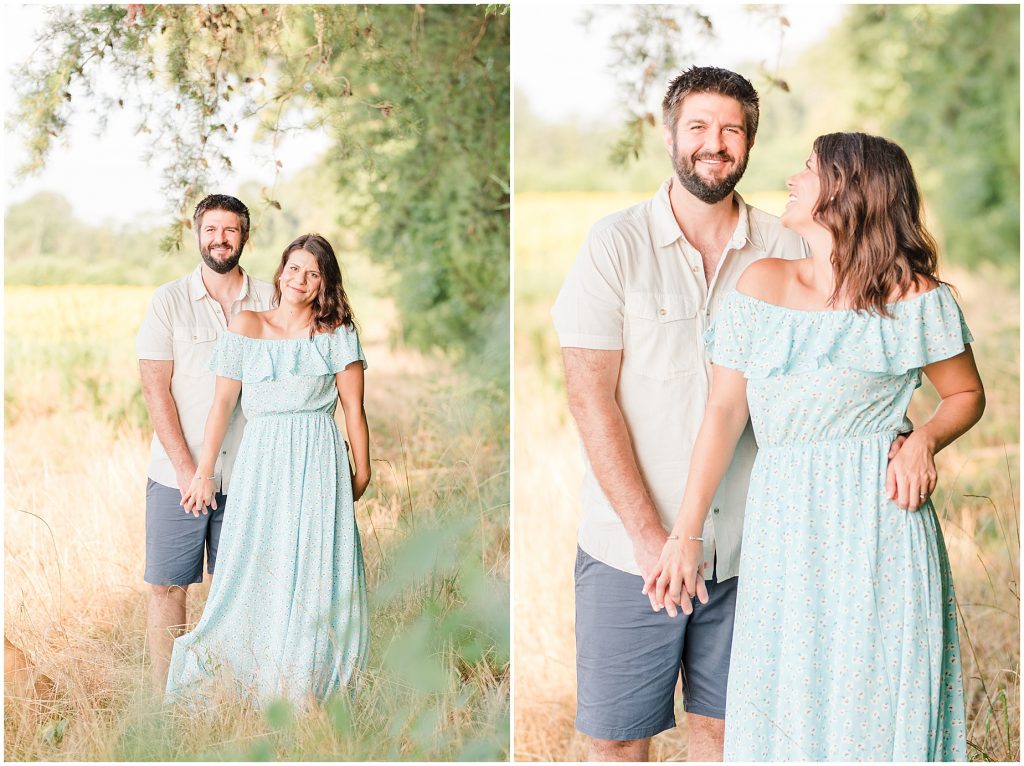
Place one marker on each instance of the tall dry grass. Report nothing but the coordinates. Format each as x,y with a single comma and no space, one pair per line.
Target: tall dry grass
435,535
976,498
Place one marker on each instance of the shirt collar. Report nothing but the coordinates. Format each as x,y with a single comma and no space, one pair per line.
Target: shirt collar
197,289
667,232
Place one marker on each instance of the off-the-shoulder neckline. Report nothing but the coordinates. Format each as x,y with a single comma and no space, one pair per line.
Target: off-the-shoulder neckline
893,305
284,340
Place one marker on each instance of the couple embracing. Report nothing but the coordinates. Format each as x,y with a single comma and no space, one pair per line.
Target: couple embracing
286,615
742,379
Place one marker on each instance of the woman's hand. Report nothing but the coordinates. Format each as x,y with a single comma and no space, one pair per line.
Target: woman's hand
911,477
359,484
200,496
677,577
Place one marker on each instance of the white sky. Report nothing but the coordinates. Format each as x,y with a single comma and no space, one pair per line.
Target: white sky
561,67
105,177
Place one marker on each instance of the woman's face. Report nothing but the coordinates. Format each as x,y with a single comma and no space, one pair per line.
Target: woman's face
301,278
804,188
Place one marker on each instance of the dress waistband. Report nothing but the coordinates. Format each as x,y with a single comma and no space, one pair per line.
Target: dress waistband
302,414
791,444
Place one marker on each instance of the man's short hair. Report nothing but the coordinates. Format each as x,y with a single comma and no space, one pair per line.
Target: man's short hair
710,79
222,202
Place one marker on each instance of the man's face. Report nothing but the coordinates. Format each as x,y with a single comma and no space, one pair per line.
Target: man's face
220,240
709,148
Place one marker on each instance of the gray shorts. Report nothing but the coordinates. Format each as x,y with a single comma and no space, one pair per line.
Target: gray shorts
176,540
629,657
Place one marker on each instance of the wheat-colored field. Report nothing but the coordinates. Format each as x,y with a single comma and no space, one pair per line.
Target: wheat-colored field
434,527
977,497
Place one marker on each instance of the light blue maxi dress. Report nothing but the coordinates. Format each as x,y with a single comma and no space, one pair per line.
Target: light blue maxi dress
287,613
845,645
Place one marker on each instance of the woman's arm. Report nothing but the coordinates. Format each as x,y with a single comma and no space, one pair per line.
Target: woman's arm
350,390
201,493
911,476
681,564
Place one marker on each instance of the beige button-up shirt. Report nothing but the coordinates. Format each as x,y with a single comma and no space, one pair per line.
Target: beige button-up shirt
639,286
182,325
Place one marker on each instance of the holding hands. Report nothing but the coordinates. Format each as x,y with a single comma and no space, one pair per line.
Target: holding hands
199,496
677,577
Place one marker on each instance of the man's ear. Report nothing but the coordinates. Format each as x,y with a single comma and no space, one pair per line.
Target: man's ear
668,137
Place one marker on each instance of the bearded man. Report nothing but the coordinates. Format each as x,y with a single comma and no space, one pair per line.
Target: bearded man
174,345
631,318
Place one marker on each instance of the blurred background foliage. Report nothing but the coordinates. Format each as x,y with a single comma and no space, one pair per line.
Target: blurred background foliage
413,191
941,80
414,99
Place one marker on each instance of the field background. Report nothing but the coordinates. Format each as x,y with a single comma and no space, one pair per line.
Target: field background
976,497
434,526
385,128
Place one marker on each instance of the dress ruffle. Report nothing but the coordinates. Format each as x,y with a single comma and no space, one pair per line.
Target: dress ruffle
762,339
255,360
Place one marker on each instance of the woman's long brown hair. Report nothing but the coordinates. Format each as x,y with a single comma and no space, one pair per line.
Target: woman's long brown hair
870,204
331,308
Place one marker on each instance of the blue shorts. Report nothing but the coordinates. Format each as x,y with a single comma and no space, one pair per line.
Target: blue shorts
176,540
629,657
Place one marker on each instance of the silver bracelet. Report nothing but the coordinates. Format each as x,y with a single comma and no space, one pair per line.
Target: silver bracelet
691,537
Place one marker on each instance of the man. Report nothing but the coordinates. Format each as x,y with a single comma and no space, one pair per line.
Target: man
174,345
631,318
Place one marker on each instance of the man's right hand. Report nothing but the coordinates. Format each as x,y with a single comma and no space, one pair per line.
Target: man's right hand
647,548
184,474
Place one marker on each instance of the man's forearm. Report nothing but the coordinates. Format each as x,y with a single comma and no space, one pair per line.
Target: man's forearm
164,415
610,452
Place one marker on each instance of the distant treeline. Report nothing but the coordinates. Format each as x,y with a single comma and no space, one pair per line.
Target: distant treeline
943,81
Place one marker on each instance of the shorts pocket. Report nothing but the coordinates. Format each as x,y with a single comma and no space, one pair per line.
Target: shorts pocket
661,335
193,347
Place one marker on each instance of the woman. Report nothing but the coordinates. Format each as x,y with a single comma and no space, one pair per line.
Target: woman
845,644
286,615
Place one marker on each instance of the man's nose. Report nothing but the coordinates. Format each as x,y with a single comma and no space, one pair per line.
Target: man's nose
713,141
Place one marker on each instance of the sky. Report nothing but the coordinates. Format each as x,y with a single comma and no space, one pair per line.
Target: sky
559,65
562,67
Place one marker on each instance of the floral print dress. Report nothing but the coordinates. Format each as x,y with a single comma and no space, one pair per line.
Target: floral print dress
845,644
287,611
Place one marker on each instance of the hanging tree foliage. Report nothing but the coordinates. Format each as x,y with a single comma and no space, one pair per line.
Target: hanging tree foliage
414,97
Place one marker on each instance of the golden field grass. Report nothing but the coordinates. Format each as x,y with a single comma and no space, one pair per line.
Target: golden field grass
977,497
434,526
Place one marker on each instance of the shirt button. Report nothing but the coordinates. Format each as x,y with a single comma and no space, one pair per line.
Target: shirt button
696,269
717,510
662,312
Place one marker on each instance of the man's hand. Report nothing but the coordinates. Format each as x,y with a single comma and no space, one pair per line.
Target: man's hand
677,578
896,445
184,472
647,548
911,476
187,481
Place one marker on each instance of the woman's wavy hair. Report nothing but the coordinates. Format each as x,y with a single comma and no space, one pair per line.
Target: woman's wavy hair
331,308
870,203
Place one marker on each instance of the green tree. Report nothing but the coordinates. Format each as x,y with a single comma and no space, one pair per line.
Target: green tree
944,82
414,98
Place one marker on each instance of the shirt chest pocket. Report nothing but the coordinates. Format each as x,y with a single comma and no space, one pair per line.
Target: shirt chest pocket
661,335
193,347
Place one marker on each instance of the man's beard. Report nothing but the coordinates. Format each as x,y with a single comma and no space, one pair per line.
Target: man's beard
701,188
224,266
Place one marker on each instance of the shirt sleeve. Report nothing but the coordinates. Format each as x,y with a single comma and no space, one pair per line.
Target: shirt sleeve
155,337
227,359
589,308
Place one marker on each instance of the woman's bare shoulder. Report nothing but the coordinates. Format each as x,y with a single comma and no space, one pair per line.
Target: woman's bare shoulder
248,323
767,278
